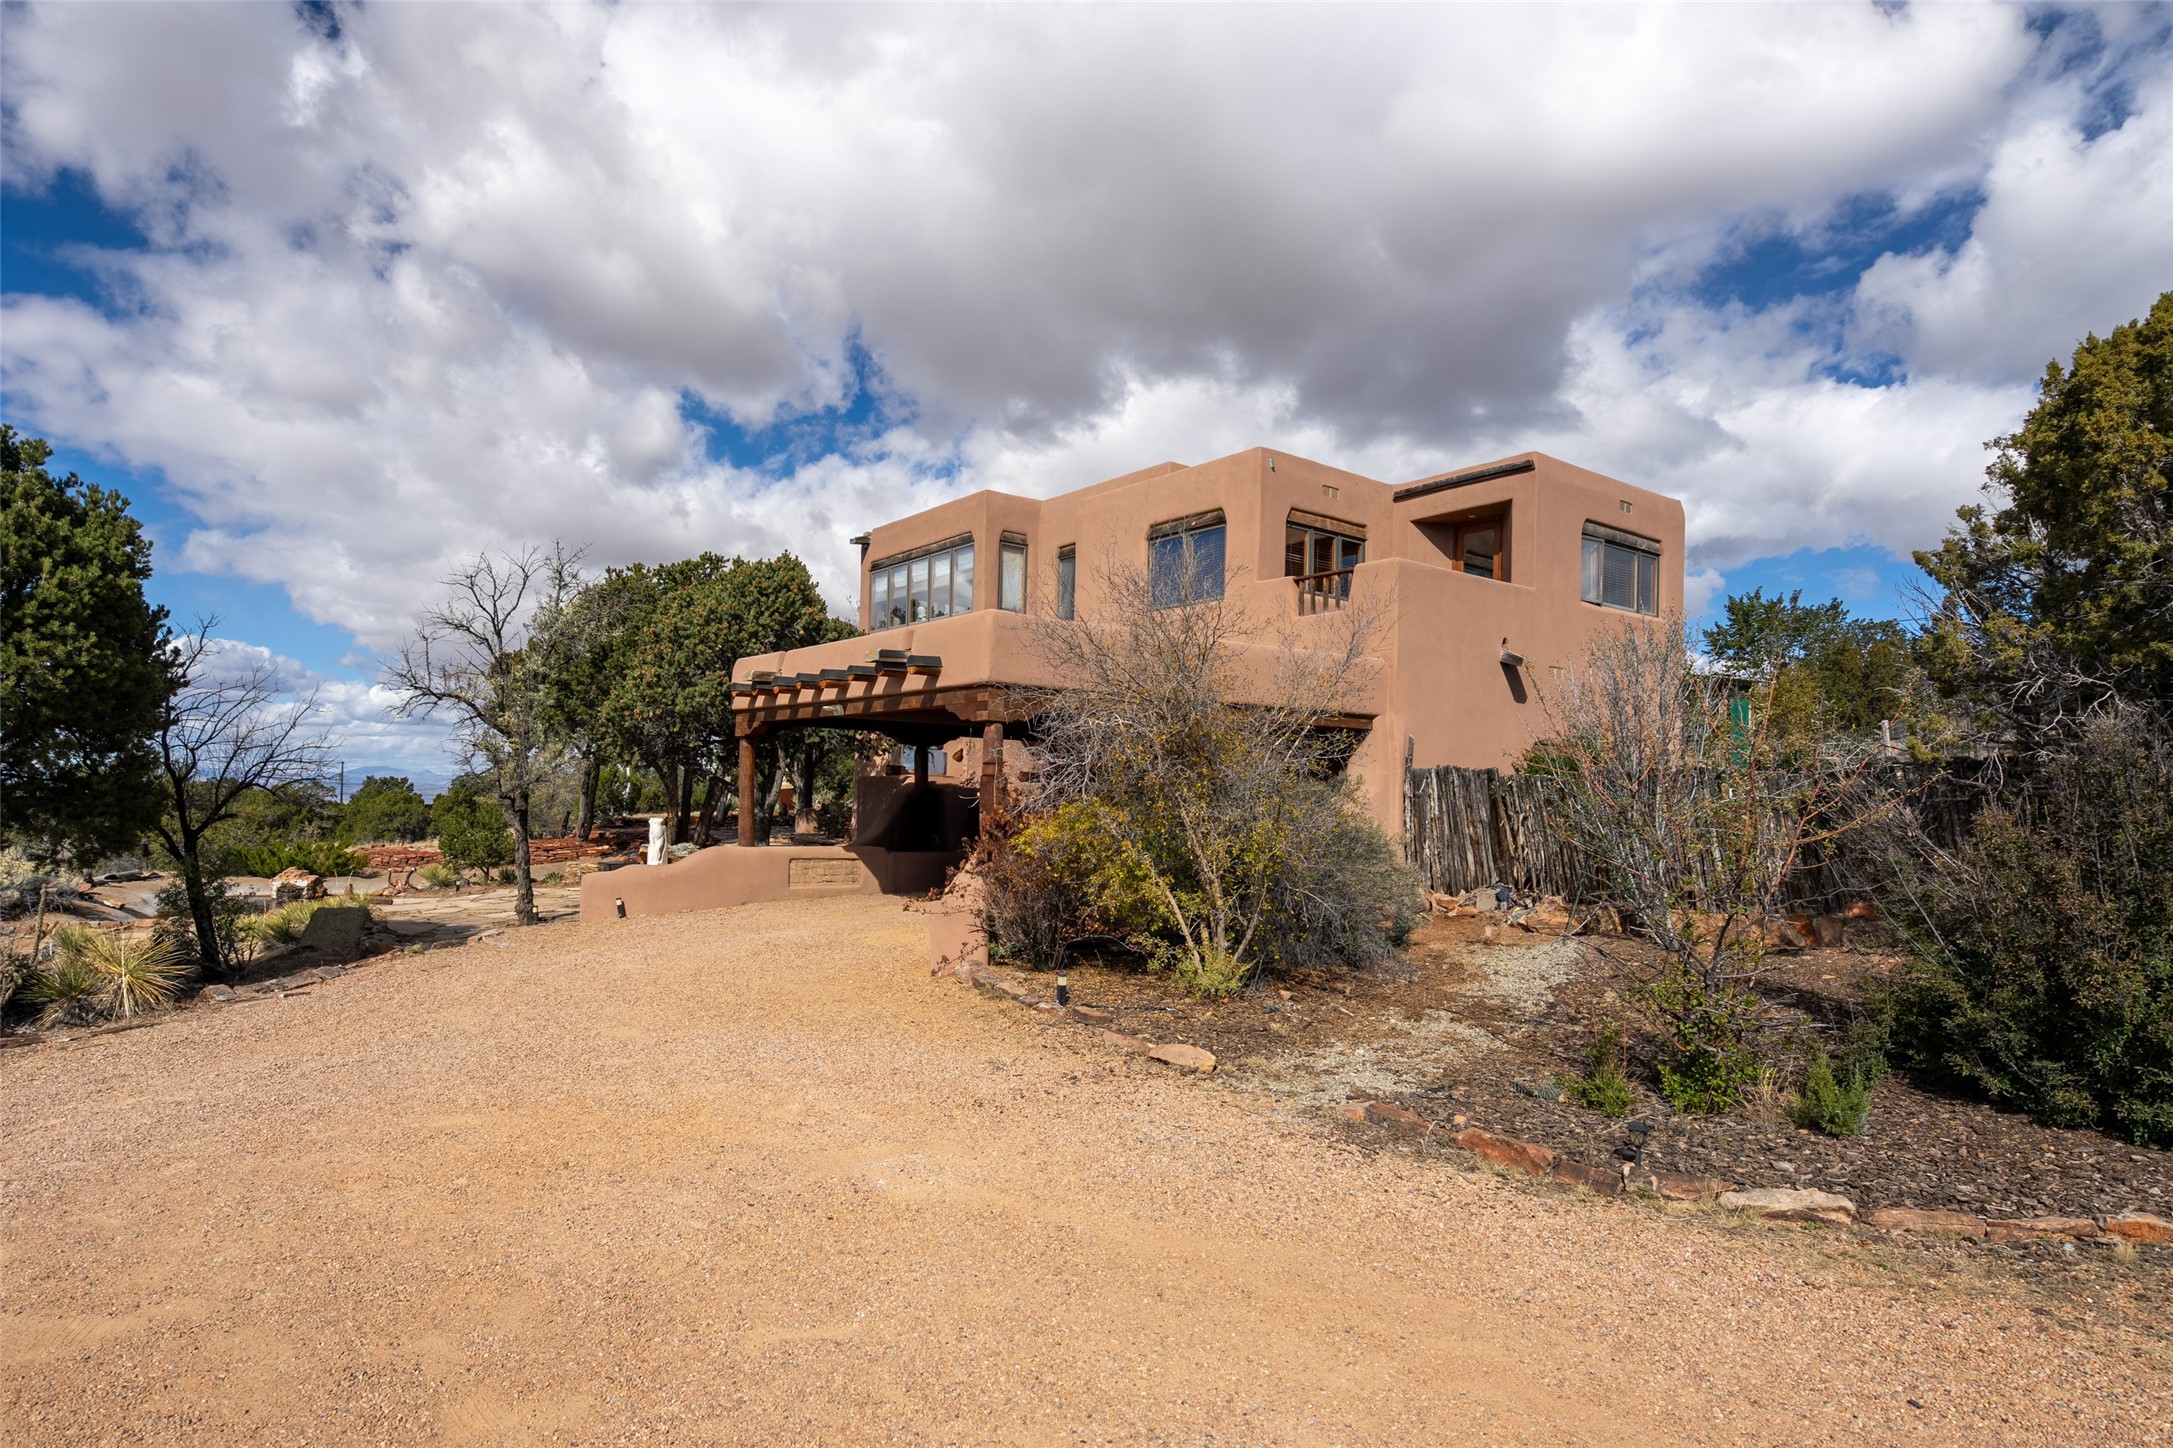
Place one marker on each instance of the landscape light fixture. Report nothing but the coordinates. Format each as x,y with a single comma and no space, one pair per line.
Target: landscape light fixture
1640,1130
620,901
1063,990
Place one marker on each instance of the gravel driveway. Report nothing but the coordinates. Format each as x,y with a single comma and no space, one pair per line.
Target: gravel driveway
752,1177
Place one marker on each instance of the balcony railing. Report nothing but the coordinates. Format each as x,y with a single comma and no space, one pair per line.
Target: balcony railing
1323,592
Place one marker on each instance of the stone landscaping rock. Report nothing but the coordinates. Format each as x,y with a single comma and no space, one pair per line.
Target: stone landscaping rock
1093,1015
1674,1186
1792,1204
216,993
2031,1229
1190,1058
1902,1219
1524,1156
1591,1178
2141,1228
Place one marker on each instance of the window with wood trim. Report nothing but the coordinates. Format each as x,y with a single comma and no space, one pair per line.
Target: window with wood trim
1320,552
931,582
1067,580
1621,570
1011,574
1185,558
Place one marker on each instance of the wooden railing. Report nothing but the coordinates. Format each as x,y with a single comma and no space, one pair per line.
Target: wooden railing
1321,592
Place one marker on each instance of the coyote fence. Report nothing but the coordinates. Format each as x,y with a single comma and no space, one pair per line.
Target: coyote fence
1467,828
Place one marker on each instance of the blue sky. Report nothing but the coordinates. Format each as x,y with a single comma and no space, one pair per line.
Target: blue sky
340,295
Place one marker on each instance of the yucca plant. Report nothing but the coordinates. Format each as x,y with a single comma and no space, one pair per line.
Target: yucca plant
66,989
135,971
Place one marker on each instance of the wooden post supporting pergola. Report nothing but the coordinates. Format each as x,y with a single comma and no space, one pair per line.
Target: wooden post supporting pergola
992,766
746,790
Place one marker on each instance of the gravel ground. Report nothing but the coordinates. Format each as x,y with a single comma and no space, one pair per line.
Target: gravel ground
753,1177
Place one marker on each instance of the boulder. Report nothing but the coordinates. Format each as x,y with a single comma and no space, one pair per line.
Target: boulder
336,931
2140,1227
1189,1058
215,993
296,883
1903,1219
1792,1204
1524,1156
1092,1015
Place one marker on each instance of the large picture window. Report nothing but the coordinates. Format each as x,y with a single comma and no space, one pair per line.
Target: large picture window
1185,558
1621,570
924,584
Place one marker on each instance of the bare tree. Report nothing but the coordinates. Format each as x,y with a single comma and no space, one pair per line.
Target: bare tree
1199,743
469,662
1695,813
223,733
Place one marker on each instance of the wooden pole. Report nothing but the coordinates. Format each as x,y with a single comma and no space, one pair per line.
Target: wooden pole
992,769
920,767
746,791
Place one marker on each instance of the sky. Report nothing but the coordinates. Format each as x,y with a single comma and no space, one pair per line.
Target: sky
340,295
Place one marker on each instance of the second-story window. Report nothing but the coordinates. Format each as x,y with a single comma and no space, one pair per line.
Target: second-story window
924,584
1621,570
1320,553
1185,558
1067,581
1011,578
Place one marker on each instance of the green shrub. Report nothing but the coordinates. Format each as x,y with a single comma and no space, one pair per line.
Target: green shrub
439,875
2043,946
471,828
1835,1106
283,926
385,808
227,912
319,857
65,989
1603,1087
1709,1052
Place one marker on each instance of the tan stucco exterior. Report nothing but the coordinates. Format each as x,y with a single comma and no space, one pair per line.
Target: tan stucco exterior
1440,692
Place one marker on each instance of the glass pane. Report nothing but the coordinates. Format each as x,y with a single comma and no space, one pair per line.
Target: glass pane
1067,583
1166,570
1354,552
1293,551
939,585
1648,583
962,578
1206,548
1618,577
1011,581
1323,553
919,609
879,599
1592,548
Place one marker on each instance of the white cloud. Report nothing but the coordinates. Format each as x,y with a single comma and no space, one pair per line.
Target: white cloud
443,285
354,717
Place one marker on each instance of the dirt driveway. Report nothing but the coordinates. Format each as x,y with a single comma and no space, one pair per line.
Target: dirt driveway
752,1177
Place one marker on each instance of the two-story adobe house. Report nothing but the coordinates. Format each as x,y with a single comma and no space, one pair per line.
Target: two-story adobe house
1481,581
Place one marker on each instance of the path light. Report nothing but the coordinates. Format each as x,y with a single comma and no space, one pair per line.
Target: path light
1640,1129
1063,990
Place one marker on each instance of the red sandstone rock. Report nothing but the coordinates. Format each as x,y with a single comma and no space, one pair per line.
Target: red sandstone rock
1591,1178
1129,1043
1792,1204
2029,1229
2140,1227
1904,1219
1506,1151
1190,1058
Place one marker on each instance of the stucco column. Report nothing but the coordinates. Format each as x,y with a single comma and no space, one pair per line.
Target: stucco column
746,790
992,768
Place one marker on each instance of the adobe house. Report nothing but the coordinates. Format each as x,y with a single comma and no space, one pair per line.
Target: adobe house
1482,579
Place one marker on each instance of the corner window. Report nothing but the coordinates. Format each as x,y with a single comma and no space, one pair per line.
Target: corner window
1011,575
1320,553
1621,570
1185,558
1067,580
924,584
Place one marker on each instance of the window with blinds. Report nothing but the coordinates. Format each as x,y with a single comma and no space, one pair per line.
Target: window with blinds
1621,570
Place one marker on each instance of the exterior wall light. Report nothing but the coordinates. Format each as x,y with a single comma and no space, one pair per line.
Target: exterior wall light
1511,659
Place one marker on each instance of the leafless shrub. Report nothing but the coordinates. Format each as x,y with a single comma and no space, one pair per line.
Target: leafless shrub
1694,812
